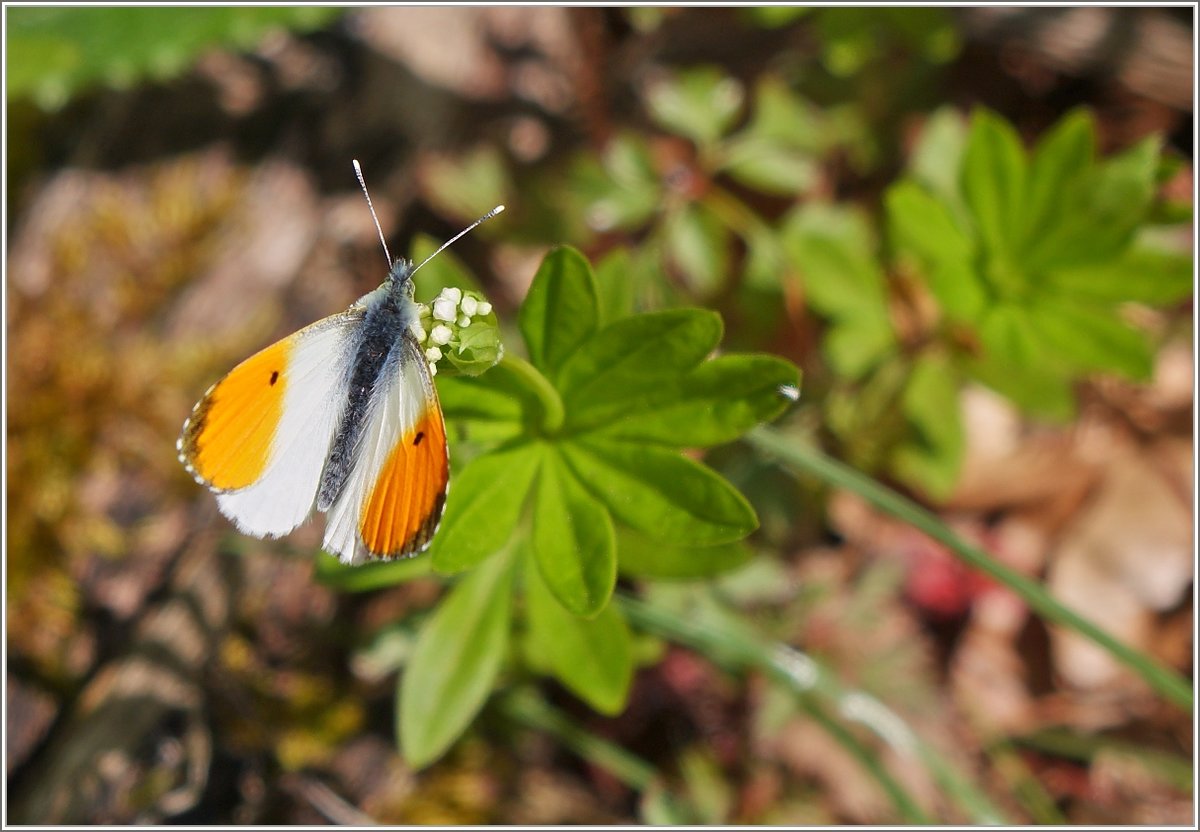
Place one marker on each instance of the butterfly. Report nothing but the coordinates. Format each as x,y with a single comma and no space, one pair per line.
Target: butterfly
342,417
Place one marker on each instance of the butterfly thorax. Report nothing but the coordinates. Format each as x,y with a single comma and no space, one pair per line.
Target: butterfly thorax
388,316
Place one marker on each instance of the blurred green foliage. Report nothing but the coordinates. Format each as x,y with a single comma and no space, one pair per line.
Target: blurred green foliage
991,263
51,53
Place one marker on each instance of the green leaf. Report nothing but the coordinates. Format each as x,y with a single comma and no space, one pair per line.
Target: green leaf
1007,335
785,119
369,576
842,280
560,312
715,403
854,345
621,191
1042,391
1065,155
773,17
616,286
840,277
921,225
483,507
637,352
1092,339
769,166
455,663
1098,217
469,185
657,492
497,405
994,174
697,244
936,161
700,103
54,52
640,557
592,657
1143,274
572,540
630,163
475,349
849,227
932,458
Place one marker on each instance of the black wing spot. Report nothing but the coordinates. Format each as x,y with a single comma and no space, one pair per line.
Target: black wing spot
417,439
274,377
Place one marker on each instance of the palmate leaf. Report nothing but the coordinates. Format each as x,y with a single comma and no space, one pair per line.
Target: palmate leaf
579,445
994,182
1061,160
932,457
1098,215
1092,339
455,662
483,507
715,403
560,312
700,104
1143,274
660,493
924,227
831,250
572,540
593,657
639,556
637,352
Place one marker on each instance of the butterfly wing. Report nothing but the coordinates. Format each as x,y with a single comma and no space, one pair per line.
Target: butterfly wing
392,500
260,436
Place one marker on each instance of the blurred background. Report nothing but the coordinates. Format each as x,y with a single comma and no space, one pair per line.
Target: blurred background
179,193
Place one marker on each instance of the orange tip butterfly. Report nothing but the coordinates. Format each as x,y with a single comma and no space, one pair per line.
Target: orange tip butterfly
341,416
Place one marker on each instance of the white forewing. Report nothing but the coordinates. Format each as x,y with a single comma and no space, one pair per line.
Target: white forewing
317,377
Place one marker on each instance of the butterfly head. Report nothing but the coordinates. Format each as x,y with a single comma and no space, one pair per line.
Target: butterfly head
400,275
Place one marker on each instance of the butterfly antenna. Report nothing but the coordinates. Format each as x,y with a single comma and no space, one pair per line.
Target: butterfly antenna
363,183
498,209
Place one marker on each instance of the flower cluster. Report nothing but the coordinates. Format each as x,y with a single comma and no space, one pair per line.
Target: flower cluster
451,327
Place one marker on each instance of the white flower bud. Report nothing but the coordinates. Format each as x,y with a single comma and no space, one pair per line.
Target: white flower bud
433,369
452,293
443,309
484,308
469,305
417,331
433,354
441,335
464,322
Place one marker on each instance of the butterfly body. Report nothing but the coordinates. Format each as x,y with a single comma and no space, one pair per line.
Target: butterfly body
341,416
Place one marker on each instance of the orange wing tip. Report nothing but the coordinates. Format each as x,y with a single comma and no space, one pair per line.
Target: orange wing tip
404,507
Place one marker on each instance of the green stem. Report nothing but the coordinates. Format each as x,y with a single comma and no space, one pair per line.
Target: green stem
1024,785
737,215
905,805
552,406
808,460
805,677
530,710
